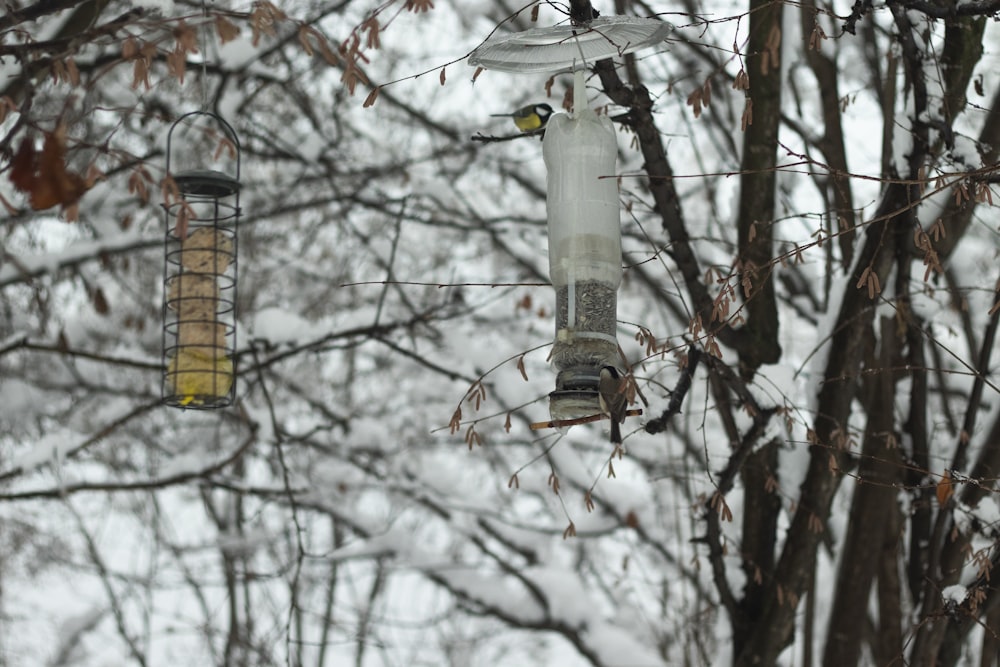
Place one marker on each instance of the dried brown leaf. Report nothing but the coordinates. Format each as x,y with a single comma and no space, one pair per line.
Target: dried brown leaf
177,64
72,72
520,367
326,51
43,176
372,27
694,101
262,20
6,106
186,37
226,148
130,48
747,119
944,489
140,74
742,81
419,6
864,277
304,42
226,29
100,302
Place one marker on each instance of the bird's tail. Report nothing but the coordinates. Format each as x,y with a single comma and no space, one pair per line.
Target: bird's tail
616,433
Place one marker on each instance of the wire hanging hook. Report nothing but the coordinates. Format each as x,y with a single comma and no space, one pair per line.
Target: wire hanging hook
204,55
579,85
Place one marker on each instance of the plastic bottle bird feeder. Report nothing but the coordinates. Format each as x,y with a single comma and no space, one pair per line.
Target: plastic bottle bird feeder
584,226
200,262
585,256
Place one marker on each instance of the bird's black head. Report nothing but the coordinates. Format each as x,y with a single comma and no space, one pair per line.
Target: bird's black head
611,371
544,111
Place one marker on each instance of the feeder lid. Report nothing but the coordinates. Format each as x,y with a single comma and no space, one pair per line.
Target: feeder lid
567,46
206,183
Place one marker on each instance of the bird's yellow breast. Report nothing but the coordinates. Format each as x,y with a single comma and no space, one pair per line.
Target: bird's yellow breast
529,122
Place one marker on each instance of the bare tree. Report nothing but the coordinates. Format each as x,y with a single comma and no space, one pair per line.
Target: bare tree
808,315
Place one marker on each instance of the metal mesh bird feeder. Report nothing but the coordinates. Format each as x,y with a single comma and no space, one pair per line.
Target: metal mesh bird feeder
202,209
584,227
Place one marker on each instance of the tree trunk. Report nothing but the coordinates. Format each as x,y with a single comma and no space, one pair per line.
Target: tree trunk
757,185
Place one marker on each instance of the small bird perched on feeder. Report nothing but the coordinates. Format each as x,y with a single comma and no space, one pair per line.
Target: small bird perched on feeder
614,402
529,118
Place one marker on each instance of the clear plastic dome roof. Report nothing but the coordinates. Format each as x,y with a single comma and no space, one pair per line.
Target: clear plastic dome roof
567,46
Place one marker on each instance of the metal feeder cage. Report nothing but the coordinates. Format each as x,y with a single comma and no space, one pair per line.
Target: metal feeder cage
200,263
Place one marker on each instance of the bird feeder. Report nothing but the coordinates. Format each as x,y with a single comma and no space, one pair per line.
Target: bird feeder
202,209
585,254
584,227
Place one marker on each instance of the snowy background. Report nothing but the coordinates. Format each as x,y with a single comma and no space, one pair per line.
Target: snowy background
376,496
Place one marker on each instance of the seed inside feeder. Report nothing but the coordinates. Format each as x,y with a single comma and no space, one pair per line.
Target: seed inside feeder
200,370
595,307
207,337
207,250
588,340
194,294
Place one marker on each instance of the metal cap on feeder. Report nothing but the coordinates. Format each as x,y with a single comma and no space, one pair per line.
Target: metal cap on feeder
203,155
200,262
584,226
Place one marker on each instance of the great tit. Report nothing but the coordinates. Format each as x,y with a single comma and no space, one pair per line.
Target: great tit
530,118
614,403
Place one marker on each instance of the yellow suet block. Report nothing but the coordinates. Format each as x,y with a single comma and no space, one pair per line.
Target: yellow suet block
197,377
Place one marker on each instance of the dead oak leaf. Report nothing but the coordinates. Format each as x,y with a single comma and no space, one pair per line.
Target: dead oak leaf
43,175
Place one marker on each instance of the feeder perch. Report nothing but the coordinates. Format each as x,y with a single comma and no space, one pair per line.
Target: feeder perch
584,226
200,262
